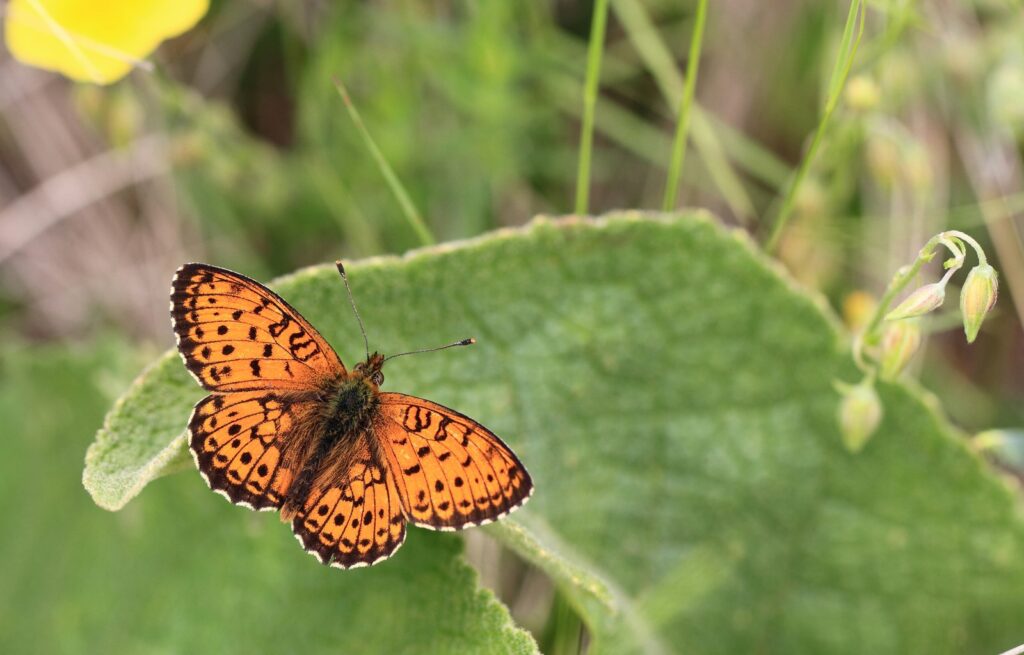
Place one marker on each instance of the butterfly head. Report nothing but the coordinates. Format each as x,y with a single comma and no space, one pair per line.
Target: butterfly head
371,369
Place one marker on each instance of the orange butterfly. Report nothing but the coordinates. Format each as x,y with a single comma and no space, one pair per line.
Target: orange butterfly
288,428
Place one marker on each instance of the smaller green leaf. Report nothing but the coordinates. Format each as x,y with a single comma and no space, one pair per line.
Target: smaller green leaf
132,448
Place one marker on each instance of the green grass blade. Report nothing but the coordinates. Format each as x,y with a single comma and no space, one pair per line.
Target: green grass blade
719,145
844,61
408,208
682,125
590,103
659,60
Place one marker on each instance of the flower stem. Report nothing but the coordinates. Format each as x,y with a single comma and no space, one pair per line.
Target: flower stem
899,282
971,242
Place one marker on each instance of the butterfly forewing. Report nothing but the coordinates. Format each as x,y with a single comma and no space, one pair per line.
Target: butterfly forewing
237,335
450,471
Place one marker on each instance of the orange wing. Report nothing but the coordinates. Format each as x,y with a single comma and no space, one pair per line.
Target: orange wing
237,335
450,471
240,442
357,521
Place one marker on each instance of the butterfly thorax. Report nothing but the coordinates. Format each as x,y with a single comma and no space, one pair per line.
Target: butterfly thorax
349,407
350,402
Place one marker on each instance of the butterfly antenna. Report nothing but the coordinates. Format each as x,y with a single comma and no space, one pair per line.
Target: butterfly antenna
465,342
352,300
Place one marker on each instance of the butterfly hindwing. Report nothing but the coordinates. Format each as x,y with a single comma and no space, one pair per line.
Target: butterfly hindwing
357,520
450,471
238,440
236,335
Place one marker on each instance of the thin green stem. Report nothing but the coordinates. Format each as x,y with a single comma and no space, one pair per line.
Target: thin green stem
844,62
408,208
594,51
899,282
707,134
970,241
682,125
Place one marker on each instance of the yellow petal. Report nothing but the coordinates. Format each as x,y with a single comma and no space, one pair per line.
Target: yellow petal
94,41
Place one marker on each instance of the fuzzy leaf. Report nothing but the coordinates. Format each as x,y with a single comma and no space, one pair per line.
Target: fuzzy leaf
671,393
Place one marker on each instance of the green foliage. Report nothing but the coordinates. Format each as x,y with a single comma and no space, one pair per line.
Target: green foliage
464,134
671,393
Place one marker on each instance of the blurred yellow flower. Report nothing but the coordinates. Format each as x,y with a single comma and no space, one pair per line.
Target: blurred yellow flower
94,41
858,306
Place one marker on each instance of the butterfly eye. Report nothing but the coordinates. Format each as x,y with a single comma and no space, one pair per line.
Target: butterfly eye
378,378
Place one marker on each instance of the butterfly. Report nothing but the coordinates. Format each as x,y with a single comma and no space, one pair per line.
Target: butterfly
288,428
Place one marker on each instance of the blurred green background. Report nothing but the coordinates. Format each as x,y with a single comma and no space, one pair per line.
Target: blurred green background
238,150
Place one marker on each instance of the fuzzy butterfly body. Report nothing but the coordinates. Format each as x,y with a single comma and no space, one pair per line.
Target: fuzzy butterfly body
288,428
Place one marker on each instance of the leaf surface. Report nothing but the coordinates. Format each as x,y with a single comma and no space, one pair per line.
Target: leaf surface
671,393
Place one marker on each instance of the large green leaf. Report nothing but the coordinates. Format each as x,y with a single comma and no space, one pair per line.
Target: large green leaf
184,572
670,391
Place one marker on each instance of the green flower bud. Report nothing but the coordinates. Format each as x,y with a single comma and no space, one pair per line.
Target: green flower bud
977,297
862,93
922,301
860,412
858,306
900,341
